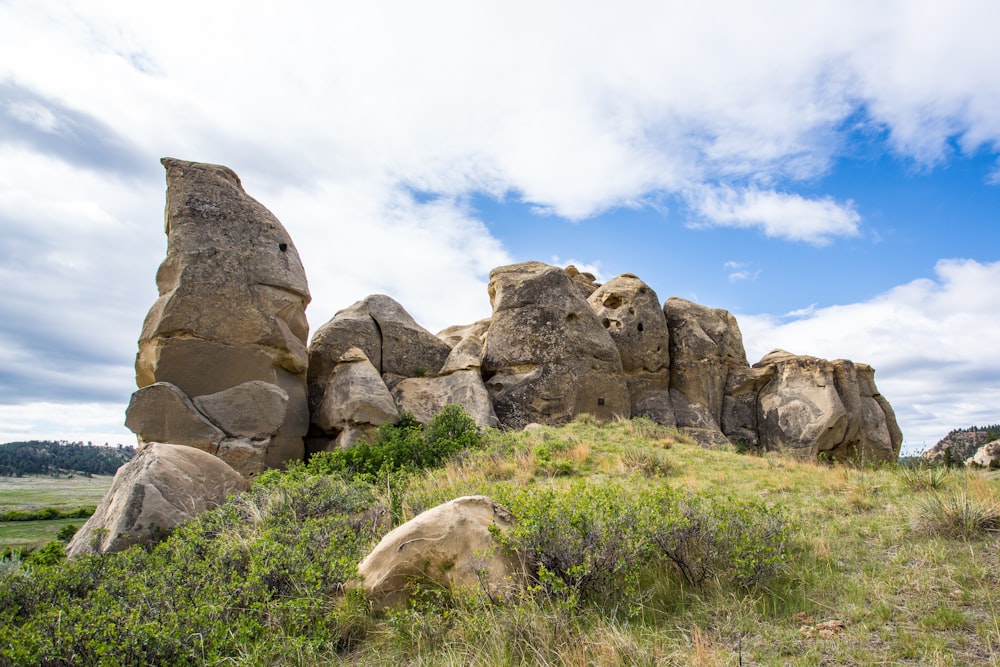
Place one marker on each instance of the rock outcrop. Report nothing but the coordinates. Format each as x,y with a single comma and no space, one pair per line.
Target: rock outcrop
814,407
160,488
547,356
987,456
223,365
706,346
631,312
449,546
230,318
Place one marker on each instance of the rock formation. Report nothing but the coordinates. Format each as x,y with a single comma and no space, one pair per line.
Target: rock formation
547,356
812,407
987,456
222,355
223,365
160,488
449,546
631,312
372,360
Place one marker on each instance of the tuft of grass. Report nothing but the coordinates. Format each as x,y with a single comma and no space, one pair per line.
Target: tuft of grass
922,477
964,513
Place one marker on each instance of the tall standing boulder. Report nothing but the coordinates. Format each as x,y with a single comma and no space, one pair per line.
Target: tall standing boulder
630,310
705,347
547,357
231,310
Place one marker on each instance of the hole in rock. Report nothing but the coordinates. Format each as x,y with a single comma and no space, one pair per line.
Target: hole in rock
282,247
600,401
613,301
640,326
606,322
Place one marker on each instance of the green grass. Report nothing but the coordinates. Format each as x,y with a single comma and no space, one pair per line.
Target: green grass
874,573
15,534
32,493
35,493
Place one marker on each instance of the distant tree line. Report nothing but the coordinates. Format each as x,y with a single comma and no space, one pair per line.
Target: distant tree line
47,457
992,431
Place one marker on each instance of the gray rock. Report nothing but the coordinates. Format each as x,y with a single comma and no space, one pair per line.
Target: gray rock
630,310
426,397
547,357
161,410
160,488
987,456
232,299
812,407
705,345
355,399
252,409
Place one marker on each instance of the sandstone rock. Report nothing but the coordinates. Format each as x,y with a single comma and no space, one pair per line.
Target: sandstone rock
585,283
459,382
813,406
739,405
355,400
160,488
455,334
630,310
161,410
987,456
449,546
426,397
232,301
394,343
705,346
252,409
547,357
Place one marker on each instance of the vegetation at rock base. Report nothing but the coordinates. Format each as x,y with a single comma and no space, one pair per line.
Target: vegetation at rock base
46,457
645,549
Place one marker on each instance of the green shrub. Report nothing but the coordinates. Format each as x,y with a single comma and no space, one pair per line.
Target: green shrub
584,544
733,541
268,568
405,445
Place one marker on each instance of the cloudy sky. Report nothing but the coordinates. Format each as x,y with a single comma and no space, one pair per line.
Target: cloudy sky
827,171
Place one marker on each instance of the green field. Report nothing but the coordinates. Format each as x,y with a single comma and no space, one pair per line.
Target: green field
36,493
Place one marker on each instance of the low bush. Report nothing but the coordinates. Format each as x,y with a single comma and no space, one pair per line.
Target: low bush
406,445
269,567
733,541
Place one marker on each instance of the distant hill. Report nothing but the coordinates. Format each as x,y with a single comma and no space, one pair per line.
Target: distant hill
962,443
47,457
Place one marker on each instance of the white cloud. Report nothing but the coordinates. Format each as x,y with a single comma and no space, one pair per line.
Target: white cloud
99,423
932,343
780,215
332,113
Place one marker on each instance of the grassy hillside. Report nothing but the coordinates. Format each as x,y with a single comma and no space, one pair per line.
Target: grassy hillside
804,565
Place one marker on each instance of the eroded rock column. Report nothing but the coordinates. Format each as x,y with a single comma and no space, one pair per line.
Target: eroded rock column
222,355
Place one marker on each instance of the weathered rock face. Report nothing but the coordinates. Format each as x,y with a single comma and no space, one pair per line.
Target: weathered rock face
812,407
987,456
355,401
381,348
705,347
449,546
231,311
630,310
547,357
160,488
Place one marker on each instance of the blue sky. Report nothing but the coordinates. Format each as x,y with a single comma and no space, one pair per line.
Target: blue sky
827,171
